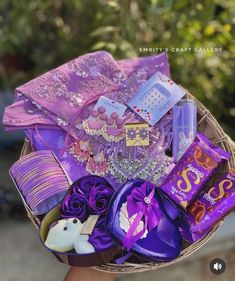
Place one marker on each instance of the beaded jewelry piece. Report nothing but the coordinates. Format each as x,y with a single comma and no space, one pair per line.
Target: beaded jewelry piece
81,150
93,126
110,128
97,165
148,169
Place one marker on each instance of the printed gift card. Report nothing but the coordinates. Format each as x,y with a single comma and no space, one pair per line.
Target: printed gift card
155,98
137,134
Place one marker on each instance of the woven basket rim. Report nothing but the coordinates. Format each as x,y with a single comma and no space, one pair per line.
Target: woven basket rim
220,138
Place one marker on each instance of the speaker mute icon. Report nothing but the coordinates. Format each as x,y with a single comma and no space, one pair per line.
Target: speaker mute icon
217,266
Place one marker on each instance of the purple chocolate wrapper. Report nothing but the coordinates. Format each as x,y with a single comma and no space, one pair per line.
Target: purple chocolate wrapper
193,170
211,206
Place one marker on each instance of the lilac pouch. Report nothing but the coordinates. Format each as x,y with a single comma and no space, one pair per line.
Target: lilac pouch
193,170
211,206
54,139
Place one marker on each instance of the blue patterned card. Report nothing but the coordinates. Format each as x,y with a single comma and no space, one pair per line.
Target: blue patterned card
155,98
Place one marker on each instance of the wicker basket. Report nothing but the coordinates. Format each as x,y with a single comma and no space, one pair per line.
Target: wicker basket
206,124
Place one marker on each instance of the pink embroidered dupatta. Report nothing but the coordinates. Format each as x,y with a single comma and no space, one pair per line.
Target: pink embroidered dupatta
62,97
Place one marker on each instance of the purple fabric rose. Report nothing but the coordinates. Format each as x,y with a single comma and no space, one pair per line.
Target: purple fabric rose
75,205
85,184
88,196
99,198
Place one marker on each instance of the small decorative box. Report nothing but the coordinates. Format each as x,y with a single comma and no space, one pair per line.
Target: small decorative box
137,134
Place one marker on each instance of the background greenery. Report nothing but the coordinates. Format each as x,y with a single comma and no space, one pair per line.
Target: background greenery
38,35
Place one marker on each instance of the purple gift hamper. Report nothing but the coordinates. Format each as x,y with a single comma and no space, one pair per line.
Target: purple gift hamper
90,118
211,128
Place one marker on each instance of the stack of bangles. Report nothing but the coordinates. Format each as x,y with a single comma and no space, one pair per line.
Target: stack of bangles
39,177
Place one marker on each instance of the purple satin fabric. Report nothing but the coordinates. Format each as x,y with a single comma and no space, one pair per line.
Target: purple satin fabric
136,202
99,238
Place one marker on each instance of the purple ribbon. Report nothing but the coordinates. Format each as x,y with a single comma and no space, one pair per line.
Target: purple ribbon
142,203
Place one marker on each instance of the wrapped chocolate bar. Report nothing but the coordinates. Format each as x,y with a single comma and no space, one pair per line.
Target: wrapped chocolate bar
211,206
193,170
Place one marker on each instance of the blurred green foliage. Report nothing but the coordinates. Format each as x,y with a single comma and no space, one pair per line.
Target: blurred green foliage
38,35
